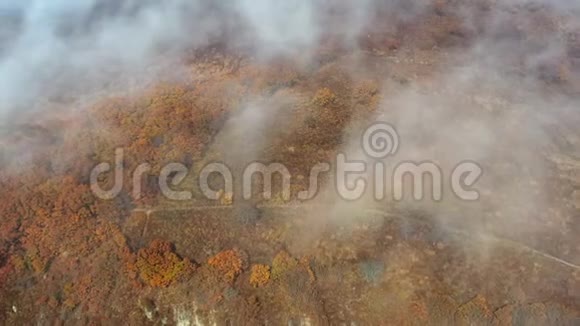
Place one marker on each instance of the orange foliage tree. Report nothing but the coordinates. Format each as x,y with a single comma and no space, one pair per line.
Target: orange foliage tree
260,275
159,266
228,263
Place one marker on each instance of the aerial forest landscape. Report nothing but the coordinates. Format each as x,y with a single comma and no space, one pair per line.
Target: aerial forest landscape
299,162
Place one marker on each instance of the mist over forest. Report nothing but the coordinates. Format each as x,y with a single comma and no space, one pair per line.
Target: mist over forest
179,85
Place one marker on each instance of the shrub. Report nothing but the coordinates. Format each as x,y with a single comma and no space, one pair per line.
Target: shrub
282,263
324,97
372,271
365,91
260,275
305,263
